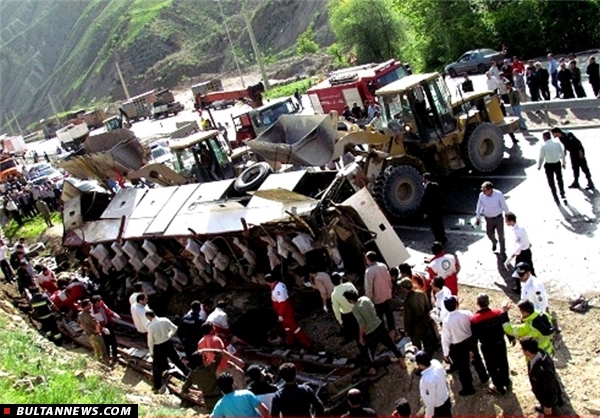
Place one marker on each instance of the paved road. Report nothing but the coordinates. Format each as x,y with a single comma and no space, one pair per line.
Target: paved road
564,237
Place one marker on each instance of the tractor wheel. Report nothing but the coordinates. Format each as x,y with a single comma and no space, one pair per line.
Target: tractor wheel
483,148
399,190
252,177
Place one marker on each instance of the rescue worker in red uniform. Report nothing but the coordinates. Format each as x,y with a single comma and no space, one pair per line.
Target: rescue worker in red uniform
67,298
445,266
283,306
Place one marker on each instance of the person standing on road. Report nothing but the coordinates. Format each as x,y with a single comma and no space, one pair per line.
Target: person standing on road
92,328
522,251
107,318
432,205
593,72
433,387
576,79
533,83
542,377
342,309
494,69
514,98
553,70
445,266
543,80
577,155
492,205
493,83
486,326
458,346
532,288
378,287
507,70
440,294
552,156
565,81
467,84
138,314
9,275
161,347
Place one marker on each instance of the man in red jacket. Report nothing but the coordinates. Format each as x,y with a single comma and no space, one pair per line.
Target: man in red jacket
106,317
285,311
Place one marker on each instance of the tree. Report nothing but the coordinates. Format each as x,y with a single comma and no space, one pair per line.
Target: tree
370,28
305,44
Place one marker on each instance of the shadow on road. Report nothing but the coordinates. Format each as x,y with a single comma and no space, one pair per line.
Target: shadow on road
577,222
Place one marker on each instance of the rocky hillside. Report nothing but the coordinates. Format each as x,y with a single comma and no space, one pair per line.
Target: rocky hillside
67,50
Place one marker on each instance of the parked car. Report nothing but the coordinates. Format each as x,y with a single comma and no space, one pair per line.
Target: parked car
161,155
41,173
475,61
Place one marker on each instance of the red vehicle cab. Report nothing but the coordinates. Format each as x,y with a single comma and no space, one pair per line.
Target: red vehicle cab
354,85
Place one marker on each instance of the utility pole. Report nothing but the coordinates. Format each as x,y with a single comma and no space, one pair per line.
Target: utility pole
54,110
237,64
122,80
17,121
9,125
257,53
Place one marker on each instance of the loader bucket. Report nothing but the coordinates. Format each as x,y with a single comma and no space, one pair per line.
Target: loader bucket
306,140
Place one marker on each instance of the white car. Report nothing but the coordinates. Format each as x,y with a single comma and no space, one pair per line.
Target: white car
161,155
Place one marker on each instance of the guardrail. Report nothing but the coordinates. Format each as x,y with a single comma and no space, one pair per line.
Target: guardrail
562,104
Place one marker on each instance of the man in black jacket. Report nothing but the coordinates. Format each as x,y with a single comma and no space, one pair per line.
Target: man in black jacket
189,329
543,80
542,376
593,72
486,326
432,205
577,154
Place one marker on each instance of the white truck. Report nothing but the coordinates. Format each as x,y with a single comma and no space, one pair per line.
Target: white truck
71,136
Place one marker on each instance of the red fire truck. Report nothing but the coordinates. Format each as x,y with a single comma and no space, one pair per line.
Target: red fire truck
354,85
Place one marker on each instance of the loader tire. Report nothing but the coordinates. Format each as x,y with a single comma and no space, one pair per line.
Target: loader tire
483,148
399,190
252,177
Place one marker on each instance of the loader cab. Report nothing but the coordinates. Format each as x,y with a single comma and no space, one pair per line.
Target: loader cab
201,157
112,123
418,105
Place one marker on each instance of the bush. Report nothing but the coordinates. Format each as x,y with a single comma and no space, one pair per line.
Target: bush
305,44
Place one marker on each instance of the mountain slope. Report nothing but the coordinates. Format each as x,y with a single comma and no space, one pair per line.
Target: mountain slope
67,50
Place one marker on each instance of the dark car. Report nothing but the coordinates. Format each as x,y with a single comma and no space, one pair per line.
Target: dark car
475,61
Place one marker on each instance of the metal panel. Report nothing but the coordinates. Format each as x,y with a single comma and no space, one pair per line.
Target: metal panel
165,216
101,231
135,228
352,96
389,244
153,202
316,103
123,203
207,192
285,181
209,219
72,214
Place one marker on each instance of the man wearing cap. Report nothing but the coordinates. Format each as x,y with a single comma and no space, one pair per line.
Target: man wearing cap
532,288
433,387
522,251
417,323
486,326
445,266
491,205
552,156
457,346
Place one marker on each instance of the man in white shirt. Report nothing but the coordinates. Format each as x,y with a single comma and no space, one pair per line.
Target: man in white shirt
522,251
491,205
161,347
440,293
552,156
492,82
458,346
138,314
433,387
532,288
137,289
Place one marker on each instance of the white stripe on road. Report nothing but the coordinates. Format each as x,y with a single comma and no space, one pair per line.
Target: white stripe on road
448,231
